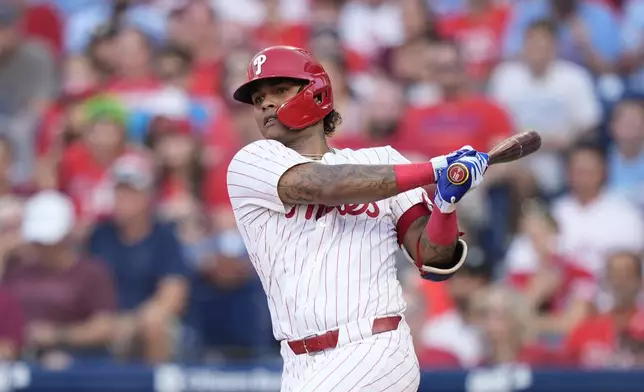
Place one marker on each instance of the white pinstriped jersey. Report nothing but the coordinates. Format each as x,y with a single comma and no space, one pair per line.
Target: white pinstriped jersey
321,267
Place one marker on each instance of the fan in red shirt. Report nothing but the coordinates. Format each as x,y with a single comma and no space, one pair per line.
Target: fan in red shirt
563,289
596,342
506,321
62,122
277,31
461,118
84,165
12,326
478,32
193,24
416,315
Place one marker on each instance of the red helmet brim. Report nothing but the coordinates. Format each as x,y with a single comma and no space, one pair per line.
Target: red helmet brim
245,92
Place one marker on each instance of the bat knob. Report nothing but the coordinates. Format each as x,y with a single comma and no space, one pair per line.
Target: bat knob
458,173
453,200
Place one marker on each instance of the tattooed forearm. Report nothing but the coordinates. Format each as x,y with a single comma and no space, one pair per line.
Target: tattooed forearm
313,183
435,255
429,253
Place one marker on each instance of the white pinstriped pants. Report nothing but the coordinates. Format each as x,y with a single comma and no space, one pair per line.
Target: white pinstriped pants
383,362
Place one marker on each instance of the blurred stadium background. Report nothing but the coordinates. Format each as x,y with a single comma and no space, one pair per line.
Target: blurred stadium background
147,288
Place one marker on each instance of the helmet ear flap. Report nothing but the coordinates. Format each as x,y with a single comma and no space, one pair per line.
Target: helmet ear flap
308,107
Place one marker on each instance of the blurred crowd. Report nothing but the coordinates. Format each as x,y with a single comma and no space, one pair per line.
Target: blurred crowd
117,241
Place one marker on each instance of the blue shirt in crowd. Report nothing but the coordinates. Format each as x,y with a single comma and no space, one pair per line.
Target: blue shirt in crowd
601,23
138,268
633,40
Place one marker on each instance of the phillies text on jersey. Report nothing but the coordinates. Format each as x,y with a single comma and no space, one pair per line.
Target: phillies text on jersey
321,267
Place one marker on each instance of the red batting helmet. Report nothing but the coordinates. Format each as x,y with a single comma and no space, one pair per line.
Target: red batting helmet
311,104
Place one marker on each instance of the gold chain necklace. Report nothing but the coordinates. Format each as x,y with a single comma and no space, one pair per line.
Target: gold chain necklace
316,157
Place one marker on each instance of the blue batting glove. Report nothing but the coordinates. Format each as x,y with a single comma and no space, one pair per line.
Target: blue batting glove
463,175
442,162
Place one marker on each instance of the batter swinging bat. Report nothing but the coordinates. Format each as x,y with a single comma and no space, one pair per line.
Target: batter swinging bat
511,149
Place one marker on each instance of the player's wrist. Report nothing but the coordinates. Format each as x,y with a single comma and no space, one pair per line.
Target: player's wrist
442,228
413,175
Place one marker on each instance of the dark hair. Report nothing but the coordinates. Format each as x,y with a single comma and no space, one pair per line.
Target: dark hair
174,50
197,169
586,146
330,122
547,25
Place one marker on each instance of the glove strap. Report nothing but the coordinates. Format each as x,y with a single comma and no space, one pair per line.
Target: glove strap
439,163
413,175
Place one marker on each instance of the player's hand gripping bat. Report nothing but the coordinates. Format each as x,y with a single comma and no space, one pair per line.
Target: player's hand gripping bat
511,149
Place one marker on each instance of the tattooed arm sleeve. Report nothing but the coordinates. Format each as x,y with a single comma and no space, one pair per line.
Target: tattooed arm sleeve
267,176
313,183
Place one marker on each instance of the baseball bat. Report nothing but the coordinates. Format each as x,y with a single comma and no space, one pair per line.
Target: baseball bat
510,149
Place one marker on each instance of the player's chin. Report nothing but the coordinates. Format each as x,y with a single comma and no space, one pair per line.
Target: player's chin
275,131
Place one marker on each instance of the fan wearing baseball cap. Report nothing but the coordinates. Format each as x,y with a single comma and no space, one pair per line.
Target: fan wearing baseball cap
68,301
146,259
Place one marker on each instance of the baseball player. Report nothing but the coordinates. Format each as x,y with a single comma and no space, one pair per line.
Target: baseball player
322,227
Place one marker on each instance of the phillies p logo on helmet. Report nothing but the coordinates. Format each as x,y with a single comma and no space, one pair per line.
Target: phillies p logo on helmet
457,173
258,62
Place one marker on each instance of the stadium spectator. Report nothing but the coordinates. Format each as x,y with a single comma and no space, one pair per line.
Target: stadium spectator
429,357
507,330
367,26
632,342
147,261
559,290
173,65
27,85
461,117
63,122
592,222
181,164
82,24
195,27
418,19
632,40
133,80
276,30
83,169
595,343
12,326
381,117
626,154
12,322
453,330
539,83
588,31
478,32
68,301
